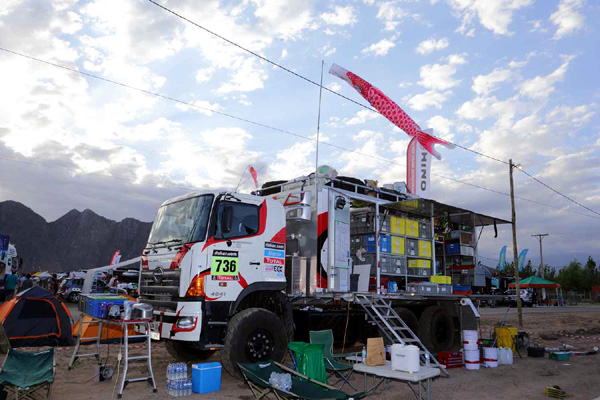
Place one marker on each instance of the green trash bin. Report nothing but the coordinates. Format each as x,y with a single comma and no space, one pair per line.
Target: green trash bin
309,360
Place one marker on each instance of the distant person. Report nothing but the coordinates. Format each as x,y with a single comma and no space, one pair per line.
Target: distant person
54,284
114,282
534,298
27,283
21,279
10,283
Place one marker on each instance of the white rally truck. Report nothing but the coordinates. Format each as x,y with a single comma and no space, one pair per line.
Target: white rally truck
244,273
214,272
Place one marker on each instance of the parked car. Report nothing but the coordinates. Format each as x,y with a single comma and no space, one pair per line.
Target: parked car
510,297
71,288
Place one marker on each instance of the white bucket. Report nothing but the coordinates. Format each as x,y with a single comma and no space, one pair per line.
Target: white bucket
470,340
490,357
505,355
472,359
405,358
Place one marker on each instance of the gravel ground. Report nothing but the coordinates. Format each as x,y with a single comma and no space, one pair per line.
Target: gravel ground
525,379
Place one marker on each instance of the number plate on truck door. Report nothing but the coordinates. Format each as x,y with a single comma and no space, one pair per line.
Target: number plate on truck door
224,265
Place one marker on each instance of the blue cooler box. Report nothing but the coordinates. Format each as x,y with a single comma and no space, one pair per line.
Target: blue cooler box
206,377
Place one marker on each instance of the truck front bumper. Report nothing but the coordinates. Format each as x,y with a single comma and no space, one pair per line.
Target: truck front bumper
184,325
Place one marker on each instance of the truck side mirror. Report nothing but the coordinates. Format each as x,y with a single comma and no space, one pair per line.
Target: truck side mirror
226,219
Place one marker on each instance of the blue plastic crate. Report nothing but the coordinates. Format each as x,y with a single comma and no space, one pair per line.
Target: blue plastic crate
453,248
206,377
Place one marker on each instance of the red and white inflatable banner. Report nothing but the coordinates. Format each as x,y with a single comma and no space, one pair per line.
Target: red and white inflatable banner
418,168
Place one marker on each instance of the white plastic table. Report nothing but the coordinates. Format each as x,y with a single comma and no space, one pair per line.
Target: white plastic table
418,382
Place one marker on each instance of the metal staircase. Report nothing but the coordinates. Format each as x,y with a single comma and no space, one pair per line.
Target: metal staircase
380,311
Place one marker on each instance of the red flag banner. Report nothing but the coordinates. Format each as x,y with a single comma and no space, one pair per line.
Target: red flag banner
254,176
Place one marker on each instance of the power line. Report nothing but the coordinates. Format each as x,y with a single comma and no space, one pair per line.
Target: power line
266,126
557,192
303,77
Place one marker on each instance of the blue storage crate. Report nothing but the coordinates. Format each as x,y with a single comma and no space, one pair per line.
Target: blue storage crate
385,243
206,377
453,248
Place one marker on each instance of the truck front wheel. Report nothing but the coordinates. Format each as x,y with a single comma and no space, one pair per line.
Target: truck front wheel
181,351
253,335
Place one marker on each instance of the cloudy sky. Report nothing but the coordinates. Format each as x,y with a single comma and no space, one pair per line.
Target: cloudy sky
509,78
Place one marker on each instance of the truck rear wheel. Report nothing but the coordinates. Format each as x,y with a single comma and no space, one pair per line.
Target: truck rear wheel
436,329
181,351
409,318
253,335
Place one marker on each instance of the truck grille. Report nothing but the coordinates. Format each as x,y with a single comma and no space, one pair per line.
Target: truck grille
161,295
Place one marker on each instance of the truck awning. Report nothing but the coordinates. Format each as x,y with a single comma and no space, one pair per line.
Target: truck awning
431,208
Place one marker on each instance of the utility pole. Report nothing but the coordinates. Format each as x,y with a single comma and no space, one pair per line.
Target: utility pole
515,251
540,237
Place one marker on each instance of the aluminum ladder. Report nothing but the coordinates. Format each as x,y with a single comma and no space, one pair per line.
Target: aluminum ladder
380,311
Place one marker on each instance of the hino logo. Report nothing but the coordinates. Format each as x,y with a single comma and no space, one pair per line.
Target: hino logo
159,274
424,171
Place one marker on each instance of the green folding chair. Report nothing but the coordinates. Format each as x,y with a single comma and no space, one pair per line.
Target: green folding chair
29,375
257,377
342,370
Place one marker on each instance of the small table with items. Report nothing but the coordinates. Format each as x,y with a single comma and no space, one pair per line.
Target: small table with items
139,325
418,382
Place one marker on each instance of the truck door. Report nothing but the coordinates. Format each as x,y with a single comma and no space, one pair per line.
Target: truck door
236,255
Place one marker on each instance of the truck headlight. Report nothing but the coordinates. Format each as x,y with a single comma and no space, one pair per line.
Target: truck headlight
185,322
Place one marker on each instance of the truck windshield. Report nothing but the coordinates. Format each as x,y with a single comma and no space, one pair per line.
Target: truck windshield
181,222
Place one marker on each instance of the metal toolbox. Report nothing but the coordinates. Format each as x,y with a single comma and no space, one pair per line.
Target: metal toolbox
419,271
393,264
425,230
444,289
412,247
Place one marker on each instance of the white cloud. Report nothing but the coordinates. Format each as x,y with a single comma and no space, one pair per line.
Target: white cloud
431,98
391,14
286,19
370,143
431,45
246,79
361,117
341,16
440,76
380,48
440,125
485,84
336,87
284,53
404,84
327,50
567,18
536,26
541,86
204,74
495,15
202,106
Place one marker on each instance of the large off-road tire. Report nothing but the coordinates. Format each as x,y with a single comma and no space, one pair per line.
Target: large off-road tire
181,351
436,329
409,318
253,335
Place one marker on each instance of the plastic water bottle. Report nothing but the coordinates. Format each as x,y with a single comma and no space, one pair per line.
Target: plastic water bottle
189,387
364,355
427,360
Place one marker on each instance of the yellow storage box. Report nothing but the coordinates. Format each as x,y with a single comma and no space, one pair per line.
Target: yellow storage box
412,228
397,245
419,264
424,248
397,226
441,279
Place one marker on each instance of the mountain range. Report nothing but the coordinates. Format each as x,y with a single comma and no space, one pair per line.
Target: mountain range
77,240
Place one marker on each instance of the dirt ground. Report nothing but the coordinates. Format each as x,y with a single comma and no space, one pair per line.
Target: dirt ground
525,379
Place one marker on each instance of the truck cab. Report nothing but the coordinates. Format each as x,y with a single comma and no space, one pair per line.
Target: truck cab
213,269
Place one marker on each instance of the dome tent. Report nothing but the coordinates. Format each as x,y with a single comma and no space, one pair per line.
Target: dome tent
35,317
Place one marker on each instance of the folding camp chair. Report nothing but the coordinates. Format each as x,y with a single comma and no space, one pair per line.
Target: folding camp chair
257,377
29,375
341,370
